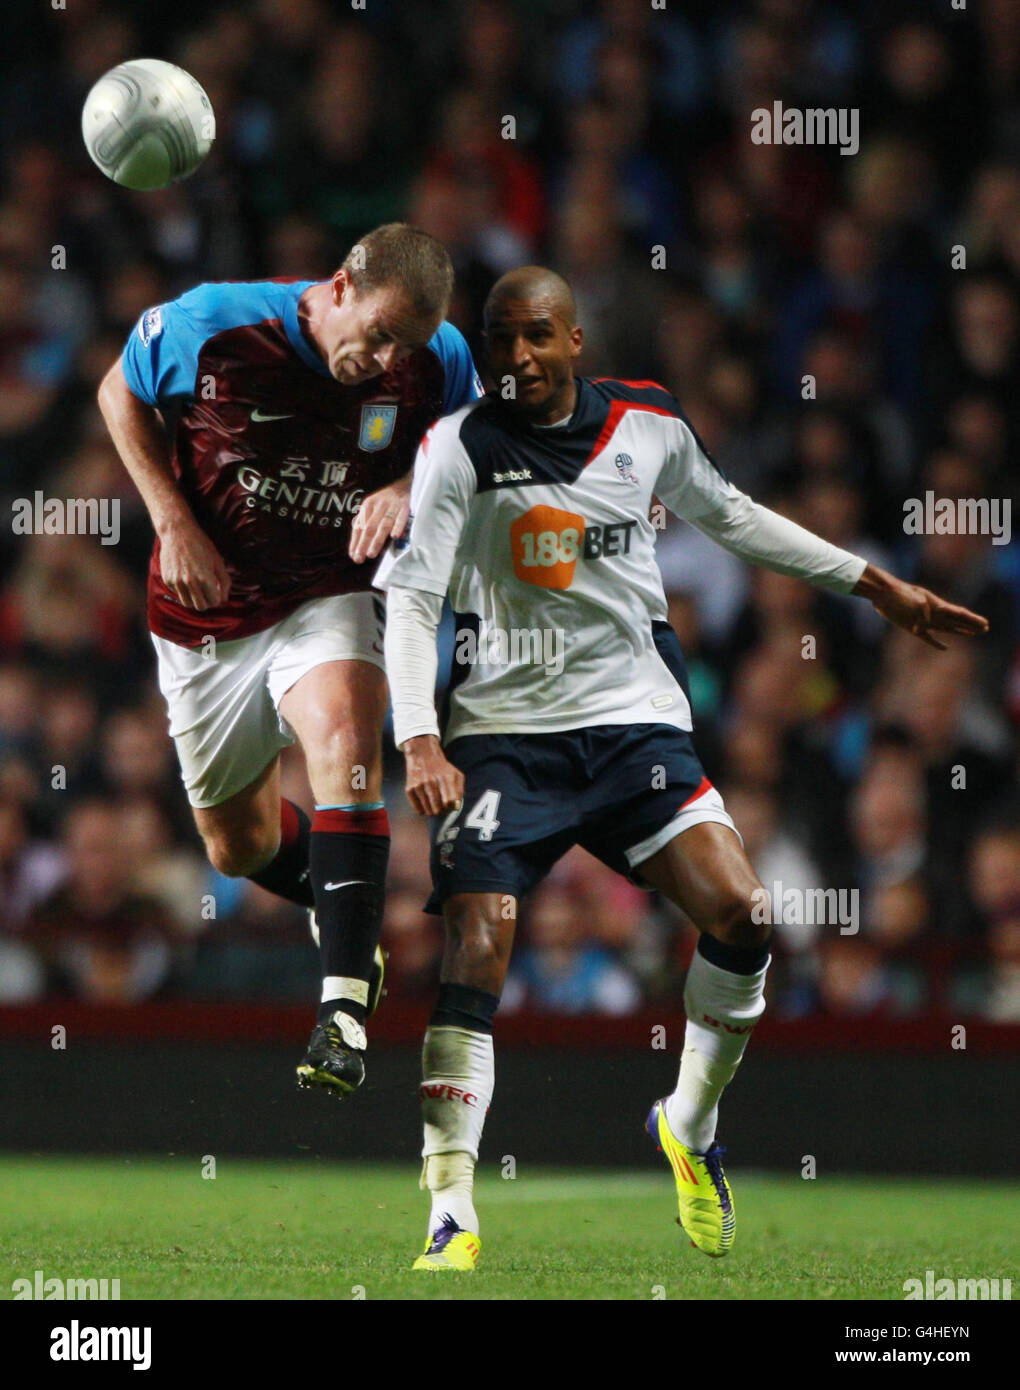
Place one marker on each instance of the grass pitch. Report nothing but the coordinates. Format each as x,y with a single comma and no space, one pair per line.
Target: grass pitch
306,1229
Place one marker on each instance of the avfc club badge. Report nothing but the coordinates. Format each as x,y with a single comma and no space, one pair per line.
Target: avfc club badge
377,423
625,467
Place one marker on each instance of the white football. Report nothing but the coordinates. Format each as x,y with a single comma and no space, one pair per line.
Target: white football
147,123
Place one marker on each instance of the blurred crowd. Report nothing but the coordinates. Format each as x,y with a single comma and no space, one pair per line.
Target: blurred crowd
810,310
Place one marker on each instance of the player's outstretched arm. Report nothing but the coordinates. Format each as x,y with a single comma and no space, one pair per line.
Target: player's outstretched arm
695,489
916,610
192,568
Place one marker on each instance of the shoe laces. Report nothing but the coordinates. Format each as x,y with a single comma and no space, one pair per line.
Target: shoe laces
713,1162
443,1234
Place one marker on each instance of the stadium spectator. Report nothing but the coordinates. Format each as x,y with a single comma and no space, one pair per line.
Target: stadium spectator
888,820
614,294
259,949
854,980
605,152
885,309
414,943
473,150
670,52
926,94
995,886
98,939
982,349
558,970
29,869
163,869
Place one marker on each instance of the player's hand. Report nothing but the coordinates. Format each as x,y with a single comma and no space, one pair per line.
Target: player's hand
192,568
917,610
433,784
381,515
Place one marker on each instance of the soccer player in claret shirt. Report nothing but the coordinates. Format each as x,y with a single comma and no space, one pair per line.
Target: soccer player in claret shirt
270,428
533,513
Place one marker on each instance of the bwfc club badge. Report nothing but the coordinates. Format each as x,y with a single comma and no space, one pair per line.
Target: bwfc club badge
377,422
625,466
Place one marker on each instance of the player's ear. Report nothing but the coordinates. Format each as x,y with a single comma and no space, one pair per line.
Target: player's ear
576,341
341,281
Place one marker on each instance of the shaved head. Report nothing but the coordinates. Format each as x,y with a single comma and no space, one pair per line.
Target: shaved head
538,287
533,341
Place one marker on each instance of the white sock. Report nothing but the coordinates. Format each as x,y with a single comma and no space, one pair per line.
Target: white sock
722,1008
450,1179
458,1072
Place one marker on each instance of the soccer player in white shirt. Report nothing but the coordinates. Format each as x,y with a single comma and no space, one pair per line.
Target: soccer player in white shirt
569,720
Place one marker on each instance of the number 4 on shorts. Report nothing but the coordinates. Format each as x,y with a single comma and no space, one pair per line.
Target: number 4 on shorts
481,817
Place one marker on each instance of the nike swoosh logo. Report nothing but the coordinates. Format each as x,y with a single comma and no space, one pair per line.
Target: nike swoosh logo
258,417
346,883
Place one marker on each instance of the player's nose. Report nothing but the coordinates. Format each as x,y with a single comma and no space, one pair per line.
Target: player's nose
389,356
520,353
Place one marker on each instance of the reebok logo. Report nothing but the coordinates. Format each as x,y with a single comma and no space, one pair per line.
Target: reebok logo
442,1090
513,475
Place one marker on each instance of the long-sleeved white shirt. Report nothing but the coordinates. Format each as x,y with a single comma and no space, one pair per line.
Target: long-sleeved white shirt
543,540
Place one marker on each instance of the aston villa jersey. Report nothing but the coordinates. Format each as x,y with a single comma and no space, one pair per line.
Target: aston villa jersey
272,453
543,538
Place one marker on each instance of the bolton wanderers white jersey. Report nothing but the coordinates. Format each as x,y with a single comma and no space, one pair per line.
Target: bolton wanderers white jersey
543,540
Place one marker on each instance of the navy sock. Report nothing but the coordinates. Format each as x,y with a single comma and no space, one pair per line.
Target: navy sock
460,1006
287,875
741,960
349,852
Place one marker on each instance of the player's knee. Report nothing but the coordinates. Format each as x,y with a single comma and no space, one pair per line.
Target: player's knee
346,761
475,940
240,855
742,919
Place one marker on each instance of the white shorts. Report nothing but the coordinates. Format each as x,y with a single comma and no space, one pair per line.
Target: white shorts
225,708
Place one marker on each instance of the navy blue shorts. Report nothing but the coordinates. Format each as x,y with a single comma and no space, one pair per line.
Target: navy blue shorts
621,791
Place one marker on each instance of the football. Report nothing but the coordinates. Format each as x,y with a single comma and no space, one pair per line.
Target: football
147,124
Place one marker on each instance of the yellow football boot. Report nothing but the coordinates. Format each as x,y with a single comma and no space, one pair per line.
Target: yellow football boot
703,1194
448,1247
